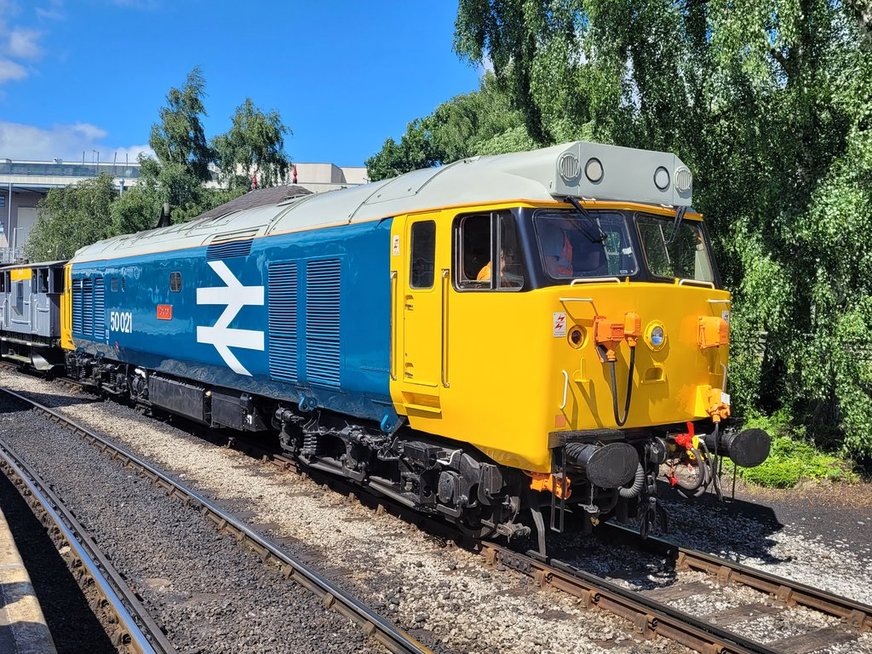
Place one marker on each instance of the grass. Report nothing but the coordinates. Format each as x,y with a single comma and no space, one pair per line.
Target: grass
792,458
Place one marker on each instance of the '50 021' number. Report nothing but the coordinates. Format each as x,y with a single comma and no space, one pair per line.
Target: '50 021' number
121,321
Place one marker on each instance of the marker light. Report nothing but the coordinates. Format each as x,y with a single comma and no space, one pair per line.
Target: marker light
661,178
657,336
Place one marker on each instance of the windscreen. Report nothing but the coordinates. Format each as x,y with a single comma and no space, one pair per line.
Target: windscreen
675,251
573,246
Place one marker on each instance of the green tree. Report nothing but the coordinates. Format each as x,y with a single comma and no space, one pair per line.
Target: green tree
482,122
253,148
70,218
176,177
178,139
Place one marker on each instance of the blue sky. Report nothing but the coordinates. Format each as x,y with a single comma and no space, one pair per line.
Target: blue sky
85,75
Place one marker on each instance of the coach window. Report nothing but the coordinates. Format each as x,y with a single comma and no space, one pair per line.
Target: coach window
42,280
175,282
57,280
423,250
479,241
19,297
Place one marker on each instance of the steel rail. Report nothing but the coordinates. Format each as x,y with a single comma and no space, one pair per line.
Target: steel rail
856,614
121,601
648,616
373,625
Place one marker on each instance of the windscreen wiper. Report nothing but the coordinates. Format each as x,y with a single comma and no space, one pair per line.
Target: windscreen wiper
679,216
601,237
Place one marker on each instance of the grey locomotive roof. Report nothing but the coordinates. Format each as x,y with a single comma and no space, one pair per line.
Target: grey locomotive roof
541,175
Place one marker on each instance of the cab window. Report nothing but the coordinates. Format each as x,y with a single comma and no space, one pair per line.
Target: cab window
572,246
675,251
487,253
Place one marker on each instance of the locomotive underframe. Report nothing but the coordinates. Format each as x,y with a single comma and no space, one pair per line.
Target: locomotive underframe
424,472
41,352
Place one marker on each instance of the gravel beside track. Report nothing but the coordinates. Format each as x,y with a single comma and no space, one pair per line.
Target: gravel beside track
208,593
445,596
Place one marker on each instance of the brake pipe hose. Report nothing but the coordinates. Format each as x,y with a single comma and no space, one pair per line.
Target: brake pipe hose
620,421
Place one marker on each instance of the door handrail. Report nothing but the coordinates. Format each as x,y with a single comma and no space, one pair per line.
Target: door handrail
444,363
393,324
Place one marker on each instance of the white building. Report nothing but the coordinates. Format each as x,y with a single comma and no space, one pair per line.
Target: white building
24,183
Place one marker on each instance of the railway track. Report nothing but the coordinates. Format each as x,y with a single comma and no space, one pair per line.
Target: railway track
651,612
126,621
331,596
721,631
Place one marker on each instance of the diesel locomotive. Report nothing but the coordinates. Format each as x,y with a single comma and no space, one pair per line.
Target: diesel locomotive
500,341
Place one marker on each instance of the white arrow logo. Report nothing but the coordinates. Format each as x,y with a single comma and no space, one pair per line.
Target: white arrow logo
235,296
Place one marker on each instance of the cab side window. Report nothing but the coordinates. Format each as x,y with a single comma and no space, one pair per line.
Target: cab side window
423,260
487,253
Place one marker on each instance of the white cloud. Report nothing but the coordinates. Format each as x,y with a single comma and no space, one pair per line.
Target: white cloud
23,44
50,14
9,70
53,11
68,142
19,43
88,132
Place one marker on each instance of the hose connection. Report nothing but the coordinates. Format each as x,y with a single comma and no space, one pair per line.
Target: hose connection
718,405
608,335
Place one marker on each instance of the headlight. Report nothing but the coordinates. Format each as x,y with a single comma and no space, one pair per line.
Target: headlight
661,178
655,335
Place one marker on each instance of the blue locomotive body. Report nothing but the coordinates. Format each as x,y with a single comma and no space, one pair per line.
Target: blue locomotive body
302,317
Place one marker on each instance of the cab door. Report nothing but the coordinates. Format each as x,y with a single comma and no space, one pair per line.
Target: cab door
418,332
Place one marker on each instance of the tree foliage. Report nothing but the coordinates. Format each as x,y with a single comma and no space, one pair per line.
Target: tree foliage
178,139
482,122
85,213
252,152
72,217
